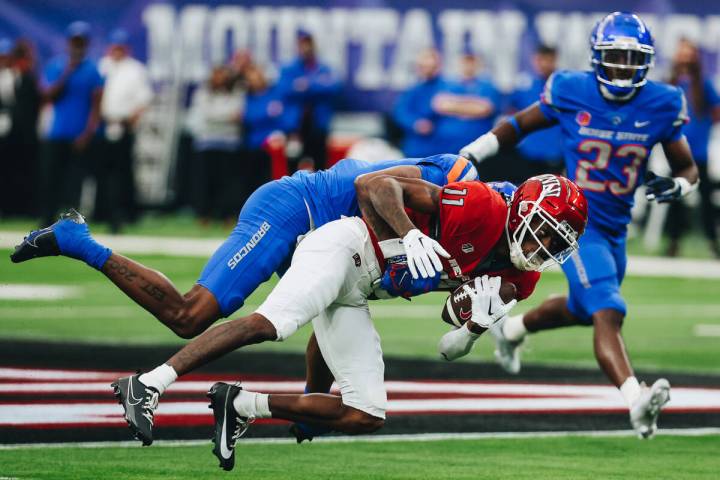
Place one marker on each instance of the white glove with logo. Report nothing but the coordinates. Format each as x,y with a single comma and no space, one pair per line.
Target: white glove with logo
487,306
422,254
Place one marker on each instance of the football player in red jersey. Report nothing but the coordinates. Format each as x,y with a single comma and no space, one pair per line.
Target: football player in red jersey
478,230
332,276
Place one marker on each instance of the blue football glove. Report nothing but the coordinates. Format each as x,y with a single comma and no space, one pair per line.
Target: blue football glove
506,189
662,189
399,282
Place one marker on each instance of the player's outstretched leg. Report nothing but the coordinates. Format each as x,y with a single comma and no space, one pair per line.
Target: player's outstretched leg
646,409
69,236
139,402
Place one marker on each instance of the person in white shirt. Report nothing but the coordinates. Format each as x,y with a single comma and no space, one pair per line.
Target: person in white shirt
215,117
127,95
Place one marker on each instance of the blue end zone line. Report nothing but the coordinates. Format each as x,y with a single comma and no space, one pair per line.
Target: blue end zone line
419,437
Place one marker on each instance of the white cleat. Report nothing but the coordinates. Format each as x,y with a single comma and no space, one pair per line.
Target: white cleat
507,352
644,412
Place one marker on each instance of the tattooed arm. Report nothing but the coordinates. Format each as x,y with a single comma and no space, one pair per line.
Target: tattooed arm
383,199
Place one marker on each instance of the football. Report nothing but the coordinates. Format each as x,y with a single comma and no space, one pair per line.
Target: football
458,306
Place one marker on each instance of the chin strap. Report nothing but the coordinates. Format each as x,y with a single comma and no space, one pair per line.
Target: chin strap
608,95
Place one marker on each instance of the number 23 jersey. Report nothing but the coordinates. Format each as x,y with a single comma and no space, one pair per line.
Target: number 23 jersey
606,144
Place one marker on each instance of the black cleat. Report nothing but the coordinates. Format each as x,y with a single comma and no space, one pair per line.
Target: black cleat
228,425
139,402
43,243
300,434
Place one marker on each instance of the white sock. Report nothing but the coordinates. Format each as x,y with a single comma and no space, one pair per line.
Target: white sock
630,390
251,404
160,378
514,328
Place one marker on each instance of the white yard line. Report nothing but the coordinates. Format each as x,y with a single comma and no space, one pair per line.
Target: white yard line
706,330
195,247
419,437
28,291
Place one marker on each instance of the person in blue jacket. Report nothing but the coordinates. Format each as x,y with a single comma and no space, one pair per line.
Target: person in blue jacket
72,85
468,105
539,152
414,112
704,110
266,113
310,86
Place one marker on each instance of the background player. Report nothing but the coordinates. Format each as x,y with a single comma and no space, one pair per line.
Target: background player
261,243
331,278
610,119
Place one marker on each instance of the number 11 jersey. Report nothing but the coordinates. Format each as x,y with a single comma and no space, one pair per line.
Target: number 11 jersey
606,144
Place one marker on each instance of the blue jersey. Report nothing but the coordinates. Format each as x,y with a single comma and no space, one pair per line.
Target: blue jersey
279,212
330,193
607,144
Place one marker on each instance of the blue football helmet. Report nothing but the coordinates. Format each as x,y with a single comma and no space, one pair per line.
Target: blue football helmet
623,51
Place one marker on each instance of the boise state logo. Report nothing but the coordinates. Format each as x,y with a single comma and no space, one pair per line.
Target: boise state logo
583,118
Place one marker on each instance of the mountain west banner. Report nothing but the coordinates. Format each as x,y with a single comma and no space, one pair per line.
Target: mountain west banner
370,44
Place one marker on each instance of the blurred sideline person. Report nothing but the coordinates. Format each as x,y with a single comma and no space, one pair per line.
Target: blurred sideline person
468,105
216,111
266,113
704,107
311,87
72,86
611,118
261,243
331,280
7,105
23,135
126,96
539,152
414,111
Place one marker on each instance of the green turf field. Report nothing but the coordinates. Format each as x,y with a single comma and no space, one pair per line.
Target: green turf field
517,458
659,330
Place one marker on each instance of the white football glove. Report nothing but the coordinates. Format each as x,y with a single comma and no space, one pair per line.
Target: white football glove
481,148
457,343
422,254
487,306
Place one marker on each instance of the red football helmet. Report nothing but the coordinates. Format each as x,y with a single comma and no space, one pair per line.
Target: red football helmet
552,211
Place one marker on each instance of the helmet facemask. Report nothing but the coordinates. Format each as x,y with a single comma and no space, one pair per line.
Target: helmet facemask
621,67
554,241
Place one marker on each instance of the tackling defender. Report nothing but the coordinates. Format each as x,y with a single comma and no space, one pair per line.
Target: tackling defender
610,118
261,243
332,275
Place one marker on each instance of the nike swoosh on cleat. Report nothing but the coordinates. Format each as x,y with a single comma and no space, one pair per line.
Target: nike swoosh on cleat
225,452
132,399
33,243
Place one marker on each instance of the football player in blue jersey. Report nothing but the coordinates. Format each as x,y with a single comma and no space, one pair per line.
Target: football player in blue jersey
261,243
610,118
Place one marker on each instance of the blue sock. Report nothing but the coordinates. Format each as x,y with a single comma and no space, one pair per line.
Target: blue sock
74,241
312,430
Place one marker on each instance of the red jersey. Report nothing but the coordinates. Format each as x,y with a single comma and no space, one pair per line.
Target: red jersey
469,223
